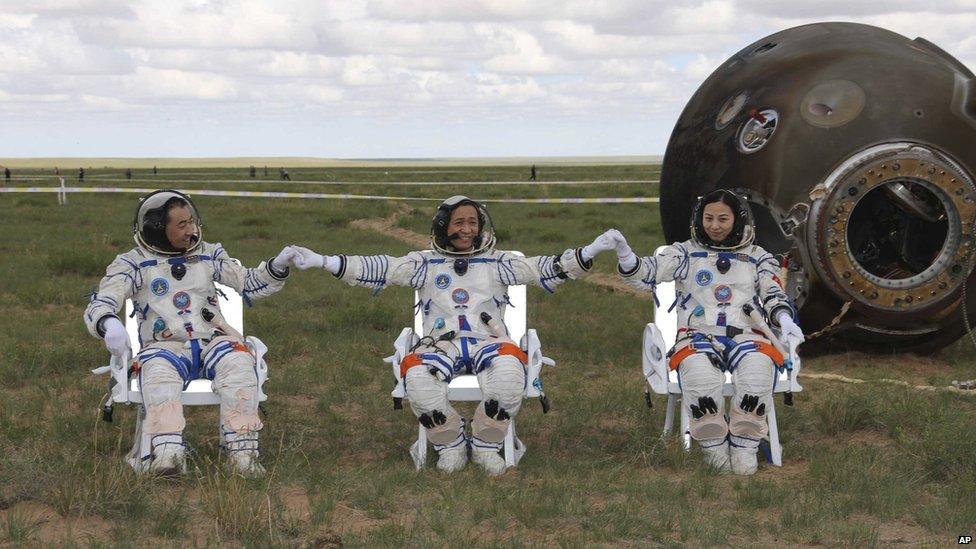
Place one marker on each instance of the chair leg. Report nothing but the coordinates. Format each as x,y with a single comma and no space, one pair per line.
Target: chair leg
685,429
775,449
418,451
669,415
140,442
514,447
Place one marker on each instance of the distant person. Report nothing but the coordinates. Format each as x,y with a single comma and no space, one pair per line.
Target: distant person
81,174
532,173
284,174
266,171
57,171
6,173
252,172
154,170
128,173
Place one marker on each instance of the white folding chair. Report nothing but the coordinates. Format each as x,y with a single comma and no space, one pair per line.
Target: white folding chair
465,388
659,337
124,387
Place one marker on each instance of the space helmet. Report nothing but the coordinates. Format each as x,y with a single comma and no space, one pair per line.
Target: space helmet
743,231
440,239
149,225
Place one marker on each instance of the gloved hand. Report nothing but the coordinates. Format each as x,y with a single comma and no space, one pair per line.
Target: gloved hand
789,330
116,339
307,259
284,259
602,243
625,256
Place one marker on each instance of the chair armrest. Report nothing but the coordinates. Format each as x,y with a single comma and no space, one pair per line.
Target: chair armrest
258,348
654,359
401,347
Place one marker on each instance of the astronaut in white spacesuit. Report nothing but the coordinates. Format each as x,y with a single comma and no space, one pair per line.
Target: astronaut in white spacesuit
462,285
728,293
170,277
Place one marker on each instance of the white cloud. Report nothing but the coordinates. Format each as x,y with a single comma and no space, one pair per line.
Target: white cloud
306,63
174,84
517,52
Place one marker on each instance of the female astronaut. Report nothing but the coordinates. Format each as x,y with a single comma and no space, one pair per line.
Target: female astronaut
726,288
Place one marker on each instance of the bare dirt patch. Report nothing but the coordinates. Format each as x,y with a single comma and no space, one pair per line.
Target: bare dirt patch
53,529
350,520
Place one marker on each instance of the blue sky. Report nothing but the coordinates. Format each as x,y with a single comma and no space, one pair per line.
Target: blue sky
387,78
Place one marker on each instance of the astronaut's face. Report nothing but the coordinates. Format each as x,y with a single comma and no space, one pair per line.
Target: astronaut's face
181,228
718,219
464,224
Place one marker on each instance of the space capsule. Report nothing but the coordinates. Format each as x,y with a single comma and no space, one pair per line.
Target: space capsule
856,148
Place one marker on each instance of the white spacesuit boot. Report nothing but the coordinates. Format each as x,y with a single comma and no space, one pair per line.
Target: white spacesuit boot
236,382
164,423
753,380
445,427
242,453
701,392
502,384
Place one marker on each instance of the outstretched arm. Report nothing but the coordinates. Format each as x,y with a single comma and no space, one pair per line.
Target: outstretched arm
645,273
252,283
373,271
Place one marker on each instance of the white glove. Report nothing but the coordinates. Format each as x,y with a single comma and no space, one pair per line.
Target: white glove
790,331
284,259
307,259
620,244
602,243
625,256
116,338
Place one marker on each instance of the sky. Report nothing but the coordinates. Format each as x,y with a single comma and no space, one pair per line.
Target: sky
388,78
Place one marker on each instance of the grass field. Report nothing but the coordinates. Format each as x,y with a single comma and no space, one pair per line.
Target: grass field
865,464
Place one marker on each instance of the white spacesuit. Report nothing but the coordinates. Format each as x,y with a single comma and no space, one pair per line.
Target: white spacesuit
463,295
725,292
170,278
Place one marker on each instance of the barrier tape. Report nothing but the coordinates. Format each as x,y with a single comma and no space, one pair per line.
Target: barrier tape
379,183
339,196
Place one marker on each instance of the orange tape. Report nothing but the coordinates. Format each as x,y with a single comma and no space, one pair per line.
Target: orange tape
680,355
770,351
512,349
408,362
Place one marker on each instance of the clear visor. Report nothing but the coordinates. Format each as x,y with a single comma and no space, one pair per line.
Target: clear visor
485,239
743,226
151,222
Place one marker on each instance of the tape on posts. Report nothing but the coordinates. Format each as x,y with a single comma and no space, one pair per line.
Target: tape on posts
361,183
332,196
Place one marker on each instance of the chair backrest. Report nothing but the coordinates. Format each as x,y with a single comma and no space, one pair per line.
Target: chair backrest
231,306
515,317
666,321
